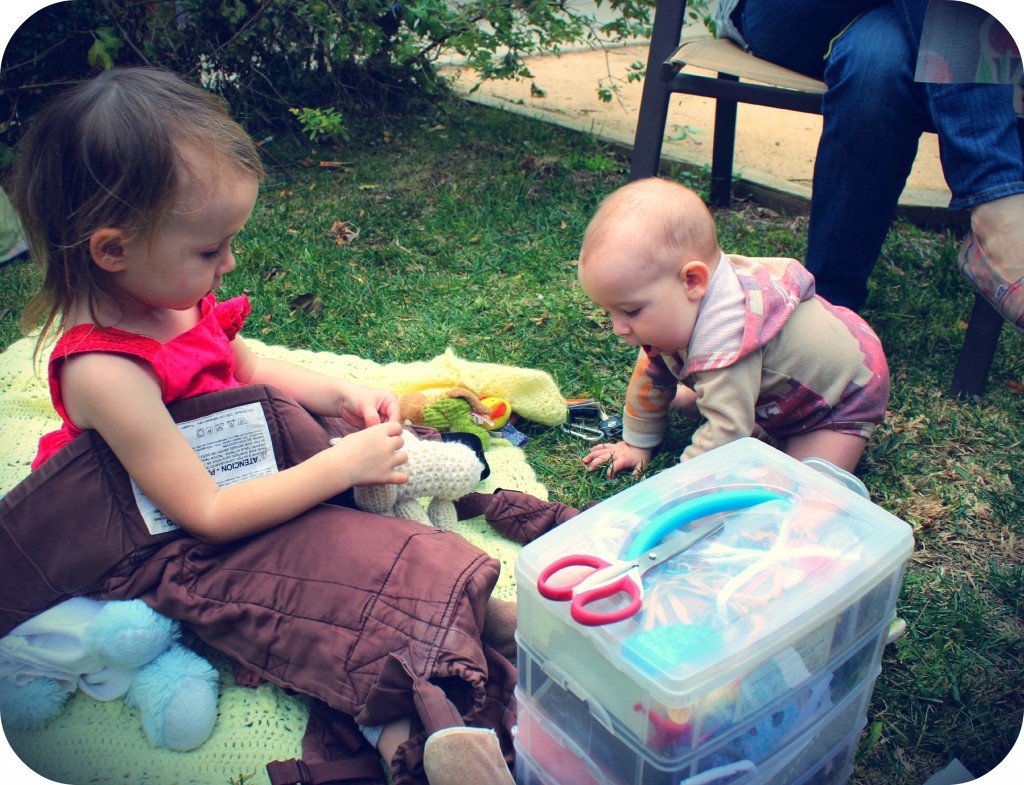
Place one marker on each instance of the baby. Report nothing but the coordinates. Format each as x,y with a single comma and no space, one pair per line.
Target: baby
756,351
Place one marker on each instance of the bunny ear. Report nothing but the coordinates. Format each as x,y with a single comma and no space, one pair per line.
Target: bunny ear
473,442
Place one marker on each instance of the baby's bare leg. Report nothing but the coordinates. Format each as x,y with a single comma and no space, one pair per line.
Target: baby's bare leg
394,735
840,449
500,627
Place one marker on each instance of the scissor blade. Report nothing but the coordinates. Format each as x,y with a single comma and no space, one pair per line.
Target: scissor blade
672,548
605,575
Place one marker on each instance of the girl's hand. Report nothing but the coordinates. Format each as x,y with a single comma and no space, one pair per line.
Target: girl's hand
618,456
372,456
366,406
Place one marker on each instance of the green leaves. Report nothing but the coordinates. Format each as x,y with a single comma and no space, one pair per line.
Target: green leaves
322,124
104,49
327,57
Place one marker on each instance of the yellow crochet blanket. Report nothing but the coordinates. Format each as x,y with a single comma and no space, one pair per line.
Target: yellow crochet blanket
101,743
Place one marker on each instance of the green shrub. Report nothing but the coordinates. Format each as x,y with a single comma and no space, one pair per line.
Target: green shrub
267,56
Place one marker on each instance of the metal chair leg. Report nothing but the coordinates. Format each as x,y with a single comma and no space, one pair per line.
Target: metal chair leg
654,100
977,352
724,146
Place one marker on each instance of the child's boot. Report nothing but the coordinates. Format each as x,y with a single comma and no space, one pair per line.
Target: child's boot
465,756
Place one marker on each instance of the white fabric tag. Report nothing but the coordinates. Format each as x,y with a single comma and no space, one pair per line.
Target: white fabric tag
234,445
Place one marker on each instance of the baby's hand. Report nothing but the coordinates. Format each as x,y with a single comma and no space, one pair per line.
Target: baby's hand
372,456
618,456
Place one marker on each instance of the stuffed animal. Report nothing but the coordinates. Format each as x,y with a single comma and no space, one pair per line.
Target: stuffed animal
457,411
444,471
500,423
455,415
108,649
501,411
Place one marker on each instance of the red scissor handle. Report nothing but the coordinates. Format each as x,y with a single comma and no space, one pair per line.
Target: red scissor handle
578,605
580,600
563,592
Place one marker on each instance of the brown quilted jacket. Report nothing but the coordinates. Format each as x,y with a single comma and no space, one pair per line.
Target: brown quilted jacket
377,617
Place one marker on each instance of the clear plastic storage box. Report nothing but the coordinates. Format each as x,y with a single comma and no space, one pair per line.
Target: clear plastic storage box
822,755
745,645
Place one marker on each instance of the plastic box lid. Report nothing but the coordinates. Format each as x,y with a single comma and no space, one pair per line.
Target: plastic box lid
775,572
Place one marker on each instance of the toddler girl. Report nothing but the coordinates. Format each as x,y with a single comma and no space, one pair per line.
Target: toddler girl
131,187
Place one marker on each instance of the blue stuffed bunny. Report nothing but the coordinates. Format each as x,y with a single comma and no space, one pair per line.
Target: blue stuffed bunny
109,650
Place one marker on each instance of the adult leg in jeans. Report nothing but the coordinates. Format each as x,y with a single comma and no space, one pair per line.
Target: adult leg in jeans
874,114
873,118
981,159
797,34
978,142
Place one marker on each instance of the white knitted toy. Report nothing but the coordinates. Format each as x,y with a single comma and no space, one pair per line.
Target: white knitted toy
443,471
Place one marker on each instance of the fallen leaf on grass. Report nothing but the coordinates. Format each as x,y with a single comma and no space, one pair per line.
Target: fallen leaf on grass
1014,386
532,164
309,303
325,164
343,233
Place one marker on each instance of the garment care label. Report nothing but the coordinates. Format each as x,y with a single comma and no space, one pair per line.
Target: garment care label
234,445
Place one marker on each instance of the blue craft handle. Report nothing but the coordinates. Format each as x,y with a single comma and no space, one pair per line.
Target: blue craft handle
694,509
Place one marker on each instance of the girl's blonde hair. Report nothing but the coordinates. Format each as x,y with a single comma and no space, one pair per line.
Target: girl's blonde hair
107,152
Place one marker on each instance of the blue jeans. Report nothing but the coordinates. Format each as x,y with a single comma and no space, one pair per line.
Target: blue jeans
873,116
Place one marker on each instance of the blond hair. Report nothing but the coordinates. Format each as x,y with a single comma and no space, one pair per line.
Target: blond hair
668,218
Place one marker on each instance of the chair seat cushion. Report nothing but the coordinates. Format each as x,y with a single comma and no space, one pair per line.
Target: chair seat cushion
726,57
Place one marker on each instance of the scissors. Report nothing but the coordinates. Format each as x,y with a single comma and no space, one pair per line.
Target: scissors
625,576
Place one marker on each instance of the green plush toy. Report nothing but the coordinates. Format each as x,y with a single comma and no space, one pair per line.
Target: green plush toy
454,415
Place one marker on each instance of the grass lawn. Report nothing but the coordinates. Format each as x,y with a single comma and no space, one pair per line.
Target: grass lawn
458,226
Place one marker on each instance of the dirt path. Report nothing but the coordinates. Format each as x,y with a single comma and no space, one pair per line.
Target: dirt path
772,146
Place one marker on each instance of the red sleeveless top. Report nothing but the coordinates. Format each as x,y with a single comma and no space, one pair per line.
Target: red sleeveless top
198,361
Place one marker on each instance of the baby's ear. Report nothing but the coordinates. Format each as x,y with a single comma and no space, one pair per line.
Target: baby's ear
106,247
696,276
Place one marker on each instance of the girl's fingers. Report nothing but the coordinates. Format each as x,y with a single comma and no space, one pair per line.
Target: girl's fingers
390,411
370,415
